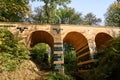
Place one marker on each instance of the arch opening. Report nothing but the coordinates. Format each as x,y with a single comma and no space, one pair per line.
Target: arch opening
102,39
41,37
41,56
82,51
42,40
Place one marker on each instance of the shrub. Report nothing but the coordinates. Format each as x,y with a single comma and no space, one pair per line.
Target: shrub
108,63
12,53
70,63
39,54
57,76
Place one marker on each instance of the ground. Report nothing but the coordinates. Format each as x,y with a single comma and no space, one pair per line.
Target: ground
27,71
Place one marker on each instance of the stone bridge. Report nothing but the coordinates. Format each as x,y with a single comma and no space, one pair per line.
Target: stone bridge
85,39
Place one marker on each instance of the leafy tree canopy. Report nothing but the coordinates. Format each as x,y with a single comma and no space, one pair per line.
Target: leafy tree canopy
66,15
112,16
40,16
50,7
13,10
69,16
90,19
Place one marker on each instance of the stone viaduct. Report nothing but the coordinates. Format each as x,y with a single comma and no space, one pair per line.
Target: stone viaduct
85,39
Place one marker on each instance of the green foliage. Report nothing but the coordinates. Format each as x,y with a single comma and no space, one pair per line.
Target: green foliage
90,19
70,59
112,16
39,53
40,16
13,10
68,48
12,53
108,63
56,76
69,16
70,63
65,15
50,6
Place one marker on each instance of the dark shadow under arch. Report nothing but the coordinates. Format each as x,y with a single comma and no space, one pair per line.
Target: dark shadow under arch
80,43
76,39
42,37
102,39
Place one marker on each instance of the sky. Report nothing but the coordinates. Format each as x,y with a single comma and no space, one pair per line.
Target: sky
97,7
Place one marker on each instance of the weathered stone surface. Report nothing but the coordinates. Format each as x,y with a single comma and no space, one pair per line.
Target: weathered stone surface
85,39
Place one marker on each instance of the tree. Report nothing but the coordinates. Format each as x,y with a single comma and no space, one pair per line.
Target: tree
90,19
39,16
69,16
70,63
112,16
70,60
12,53
40,54
68,47
13,10
50,7
118,0
108,66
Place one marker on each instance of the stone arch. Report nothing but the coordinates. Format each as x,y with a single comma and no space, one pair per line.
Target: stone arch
80,43
75,38
42,37
101,39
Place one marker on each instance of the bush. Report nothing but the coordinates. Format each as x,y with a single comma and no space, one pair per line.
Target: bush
108,63
70,60
12,53
70,63
57,76
39,54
